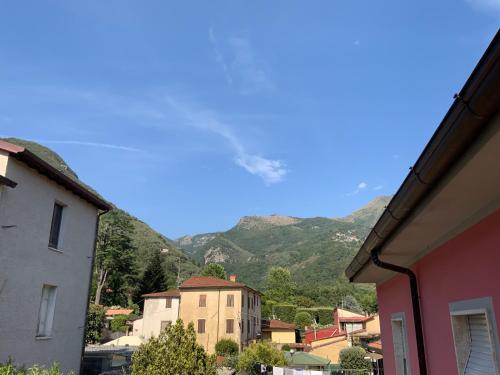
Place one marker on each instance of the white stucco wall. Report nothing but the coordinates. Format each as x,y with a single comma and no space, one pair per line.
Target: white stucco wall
155,311
27,264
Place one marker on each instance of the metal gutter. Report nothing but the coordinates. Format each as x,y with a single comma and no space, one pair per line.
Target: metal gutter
7,182
468,116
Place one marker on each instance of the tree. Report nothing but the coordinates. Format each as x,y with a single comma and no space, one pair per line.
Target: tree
260,352
302,319
369,303
119,323
95,324
279,285
153,279
114,254
226,347
349,302
214,270
354,359
173,352
303,301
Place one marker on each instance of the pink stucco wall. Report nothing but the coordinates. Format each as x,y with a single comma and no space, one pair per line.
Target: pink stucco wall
466,267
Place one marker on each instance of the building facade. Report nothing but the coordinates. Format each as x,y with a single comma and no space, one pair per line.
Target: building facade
47,238
160,310
278,332
434,253
221,309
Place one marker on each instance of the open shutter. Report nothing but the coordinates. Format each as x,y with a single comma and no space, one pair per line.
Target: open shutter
480,361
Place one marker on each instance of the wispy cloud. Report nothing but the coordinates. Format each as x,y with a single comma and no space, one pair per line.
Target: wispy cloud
485,4
362,185
378,187
271,171
240,64
82,143
219,57
357,42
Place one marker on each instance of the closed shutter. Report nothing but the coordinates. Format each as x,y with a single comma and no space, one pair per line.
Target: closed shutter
480,361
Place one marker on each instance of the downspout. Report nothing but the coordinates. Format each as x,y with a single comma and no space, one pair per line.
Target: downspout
218,311
98,219
415,302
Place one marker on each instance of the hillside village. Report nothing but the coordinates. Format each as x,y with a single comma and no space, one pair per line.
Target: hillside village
407,284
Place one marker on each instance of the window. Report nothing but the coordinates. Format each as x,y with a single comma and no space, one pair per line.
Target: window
168,303
248,302
400,343
474,335
203,300
164,324
242,300
242,326
230,300
248,327
55,228
46,312
229,325
201,325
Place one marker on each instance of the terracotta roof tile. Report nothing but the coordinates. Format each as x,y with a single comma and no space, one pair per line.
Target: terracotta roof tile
277,324
322,333
212,282
168,293
113,312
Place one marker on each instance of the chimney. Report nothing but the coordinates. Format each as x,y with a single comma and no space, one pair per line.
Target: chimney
232,278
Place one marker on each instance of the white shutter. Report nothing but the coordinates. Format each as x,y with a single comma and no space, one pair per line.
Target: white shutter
480,361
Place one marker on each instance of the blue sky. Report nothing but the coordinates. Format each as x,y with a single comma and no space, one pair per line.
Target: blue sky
191,114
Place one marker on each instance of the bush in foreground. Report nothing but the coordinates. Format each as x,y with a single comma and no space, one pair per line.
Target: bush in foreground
226,347
95,324
173,352
260,352
354,359
10,369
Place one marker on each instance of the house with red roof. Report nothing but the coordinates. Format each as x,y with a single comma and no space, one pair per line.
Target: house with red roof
279,332
434,253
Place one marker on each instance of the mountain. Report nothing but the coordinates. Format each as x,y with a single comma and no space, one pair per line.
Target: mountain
145,239
316,250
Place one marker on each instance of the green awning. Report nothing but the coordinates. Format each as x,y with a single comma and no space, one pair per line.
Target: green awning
305,359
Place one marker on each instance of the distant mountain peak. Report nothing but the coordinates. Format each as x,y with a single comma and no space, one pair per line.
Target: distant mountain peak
369,213
261,222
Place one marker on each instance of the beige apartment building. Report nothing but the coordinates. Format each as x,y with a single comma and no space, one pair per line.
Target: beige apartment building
48,225
221,309
160,309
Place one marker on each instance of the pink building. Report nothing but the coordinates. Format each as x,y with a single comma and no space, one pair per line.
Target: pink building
434,254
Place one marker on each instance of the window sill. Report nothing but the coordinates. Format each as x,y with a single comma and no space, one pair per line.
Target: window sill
42,338
56,250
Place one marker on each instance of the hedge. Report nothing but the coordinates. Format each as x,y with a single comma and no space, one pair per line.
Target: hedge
325,313
285,312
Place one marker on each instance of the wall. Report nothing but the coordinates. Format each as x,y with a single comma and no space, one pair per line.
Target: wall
27,264
372,326
155,311
466,267
283,337
329,348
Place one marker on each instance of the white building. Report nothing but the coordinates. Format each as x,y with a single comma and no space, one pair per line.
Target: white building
160,309
48,226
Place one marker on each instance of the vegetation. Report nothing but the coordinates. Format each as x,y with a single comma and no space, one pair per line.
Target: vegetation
226,347
153,278
303,319
260,352
354,359
214,270
279,285
9,369
173,352
95,324
118,324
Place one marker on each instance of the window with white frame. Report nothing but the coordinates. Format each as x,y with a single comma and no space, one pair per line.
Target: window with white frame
475,336
46,312
400,342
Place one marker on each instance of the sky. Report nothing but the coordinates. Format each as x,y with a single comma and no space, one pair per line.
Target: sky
191,114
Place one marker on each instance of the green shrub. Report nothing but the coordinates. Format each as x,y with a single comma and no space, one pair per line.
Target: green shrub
9,369
118,324
325,314
260,352
226,347
302,319
285,348
354,359
285,312
174,351
95,324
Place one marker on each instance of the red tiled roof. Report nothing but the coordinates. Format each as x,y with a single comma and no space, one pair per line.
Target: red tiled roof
322,333
196,282
113,312
169,293
376,345
276,324
26,156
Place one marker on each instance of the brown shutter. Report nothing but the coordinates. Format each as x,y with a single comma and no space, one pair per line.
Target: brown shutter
201,325
203,300
229,326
